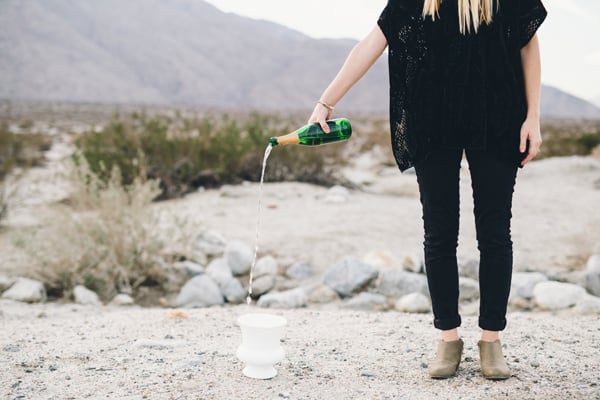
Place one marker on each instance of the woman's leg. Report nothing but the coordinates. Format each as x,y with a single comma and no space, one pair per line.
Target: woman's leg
438,179
493,181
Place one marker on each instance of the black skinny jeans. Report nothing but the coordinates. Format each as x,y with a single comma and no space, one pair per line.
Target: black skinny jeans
493,183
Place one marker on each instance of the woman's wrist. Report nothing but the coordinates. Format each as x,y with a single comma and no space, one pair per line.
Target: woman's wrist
326,105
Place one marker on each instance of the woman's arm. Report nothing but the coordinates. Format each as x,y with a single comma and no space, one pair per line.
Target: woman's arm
530,57
361,58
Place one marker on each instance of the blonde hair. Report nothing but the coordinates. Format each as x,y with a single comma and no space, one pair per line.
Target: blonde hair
471,13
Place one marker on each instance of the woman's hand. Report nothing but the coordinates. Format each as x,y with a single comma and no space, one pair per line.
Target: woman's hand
530,130
319,115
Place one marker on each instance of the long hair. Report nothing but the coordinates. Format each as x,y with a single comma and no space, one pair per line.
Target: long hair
471,13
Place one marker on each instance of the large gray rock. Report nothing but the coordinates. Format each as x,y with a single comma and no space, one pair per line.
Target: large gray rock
200,291
239,256
396,282
6,282
349,275
209,243
262,284
85,296
300,271
413,303
553,295
367,301
219,271
233,291
27,290
592,275
523,283
266,265
294,298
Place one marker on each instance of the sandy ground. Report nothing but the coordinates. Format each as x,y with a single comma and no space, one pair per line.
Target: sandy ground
53,351
555,224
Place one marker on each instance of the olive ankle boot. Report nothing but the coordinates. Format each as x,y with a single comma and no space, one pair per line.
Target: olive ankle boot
446,359
493,365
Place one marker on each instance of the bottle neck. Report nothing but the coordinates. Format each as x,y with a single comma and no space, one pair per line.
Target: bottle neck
290,138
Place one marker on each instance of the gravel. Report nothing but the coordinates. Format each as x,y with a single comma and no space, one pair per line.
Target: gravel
70,351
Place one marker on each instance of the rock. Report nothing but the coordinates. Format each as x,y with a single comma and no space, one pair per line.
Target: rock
262,284
337,194
265,266
294,298
233,291
592,275
122,300
523,283
553,295
200,291
239,256
414,263
349,275
6,282
367,301
198,257
210,244
588,305
320,294
520,303
381,259
85,296
219,271
300,271
396,282
413,303
190,268
468,289
469,269
26,290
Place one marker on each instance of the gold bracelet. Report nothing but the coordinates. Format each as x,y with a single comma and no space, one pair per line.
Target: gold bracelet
327,106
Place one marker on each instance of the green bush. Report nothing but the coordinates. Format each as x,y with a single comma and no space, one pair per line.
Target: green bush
589,141
184,154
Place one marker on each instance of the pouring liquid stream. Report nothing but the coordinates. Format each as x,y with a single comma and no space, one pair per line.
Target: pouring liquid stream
262,177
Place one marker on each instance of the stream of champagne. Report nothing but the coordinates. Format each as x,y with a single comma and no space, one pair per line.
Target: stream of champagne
262,177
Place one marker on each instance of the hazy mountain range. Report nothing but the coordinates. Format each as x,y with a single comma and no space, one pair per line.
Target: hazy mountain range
183,52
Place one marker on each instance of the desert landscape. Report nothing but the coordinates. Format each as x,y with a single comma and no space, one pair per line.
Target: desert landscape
163,340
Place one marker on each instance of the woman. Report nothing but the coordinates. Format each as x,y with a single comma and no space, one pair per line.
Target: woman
464,75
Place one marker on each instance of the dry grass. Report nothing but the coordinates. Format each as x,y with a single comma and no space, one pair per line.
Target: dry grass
108,238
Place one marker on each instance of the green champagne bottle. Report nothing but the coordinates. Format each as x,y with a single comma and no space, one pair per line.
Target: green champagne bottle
313,134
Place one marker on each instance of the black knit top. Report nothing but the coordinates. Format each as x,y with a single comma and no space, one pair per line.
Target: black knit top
450,89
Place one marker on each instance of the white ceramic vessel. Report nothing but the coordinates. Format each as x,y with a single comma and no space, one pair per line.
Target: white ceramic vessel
260,348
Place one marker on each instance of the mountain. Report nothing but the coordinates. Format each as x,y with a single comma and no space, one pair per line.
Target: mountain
181,52
559,104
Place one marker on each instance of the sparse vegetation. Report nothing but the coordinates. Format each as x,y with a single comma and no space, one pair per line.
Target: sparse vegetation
107,238
184,154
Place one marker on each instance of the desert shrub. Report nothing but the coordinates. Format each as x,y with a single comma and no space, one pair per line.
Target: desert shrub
184,154
589,141
17,152
107,237
21,150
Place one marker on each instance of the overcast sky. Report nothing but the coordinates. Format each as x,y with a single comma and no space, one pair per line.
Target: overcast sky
569,38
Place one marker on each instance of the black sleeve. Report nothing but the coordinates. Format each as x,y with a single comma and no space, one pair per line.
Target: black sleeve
385,20
531,14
